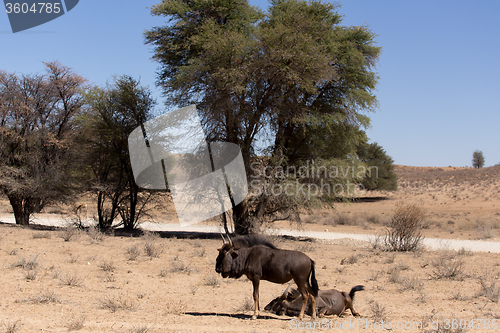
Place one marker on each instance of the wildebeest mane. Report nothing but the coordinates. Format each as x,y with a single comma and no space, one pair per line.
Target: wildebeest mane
251,240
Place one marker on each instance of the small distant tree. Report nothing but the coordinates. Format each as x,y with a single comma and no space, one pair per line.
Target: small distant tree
478,159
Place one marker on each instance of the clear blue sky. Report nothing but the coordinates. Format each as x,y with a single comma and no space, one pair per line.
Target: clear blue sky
439,68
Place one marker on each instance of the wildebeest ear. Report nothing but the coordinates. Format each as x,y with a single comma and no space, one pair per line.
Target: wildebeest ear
234,254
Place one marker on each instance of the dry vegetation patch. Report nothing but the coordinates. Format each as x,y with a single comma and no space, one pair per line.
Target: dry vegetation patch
180,291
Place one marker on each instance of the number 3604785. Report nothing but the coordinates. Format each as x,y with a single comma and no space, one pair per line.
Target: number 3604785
35,8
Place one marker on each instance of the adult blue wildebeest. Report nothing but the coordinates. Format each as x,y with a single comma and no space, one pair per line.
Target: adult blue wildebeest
328,303
264,262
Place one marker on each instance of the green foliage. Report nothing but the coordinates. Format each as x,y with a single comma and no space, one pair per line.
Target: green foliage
380,167
294,74
477,159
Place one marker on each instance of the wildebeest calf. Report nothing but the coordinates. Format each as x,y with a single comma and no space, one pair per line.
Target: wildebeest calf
262,262
328,303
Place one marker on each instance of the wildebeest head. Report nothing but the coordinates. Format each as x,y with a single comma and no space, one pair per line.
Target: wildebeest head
230,251
224,259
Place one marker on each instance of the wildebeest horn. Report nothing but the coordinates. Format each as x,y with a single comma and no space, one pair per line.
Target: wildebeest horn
285,293
223,239
230,241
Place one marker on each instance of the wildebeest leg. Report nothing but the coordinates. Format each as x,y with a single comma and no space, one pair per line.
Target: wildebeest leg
354,313
313,305
305,298
255,282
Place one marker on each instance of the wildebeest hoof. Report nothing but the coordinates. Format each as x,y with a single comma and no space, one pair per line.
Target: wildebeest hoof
254,317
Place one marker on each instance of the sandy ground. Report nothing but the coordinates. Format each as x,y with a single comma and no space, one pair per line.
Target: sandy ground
99,283
109,284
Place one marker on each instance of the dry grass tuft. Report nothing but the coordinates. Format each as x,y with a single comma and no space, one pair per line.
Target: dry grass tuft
95,234
113,303
212,280
151,247
133,252
11,327
246,305
378,312
140,329
30,275
67,233
71,280
41,235
28,264
448,266
107,266
488,288
45,298
76,323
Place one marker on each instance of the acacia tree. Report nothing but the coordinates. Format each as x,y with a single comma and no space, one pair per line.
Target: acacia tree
112,113
37,115
381,175
294,72
478,159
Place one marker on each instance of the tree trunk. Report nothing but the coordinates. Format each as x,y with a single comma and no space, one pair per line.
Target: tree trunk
241,218
129,224
20,206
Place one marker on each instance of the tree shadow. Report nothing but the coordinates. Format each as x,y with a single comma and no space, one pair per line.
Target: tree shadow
370,199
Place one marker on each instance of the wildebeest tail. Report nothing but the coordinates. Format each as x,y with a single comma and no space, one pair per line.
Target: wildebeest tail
354,289
314,282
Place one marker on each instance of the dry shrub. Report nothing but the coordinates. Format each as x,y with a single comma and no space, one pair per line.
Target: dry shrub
178,266
378,312
133,252
212,280
115,303
40,235
107,266
75,323
71,280
488,288
30,275
176,307
45,298
95,234
412,283
28,264
405,229
12,327
151,248
140,329
448,266
352,259
67,233
246,305
484,230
